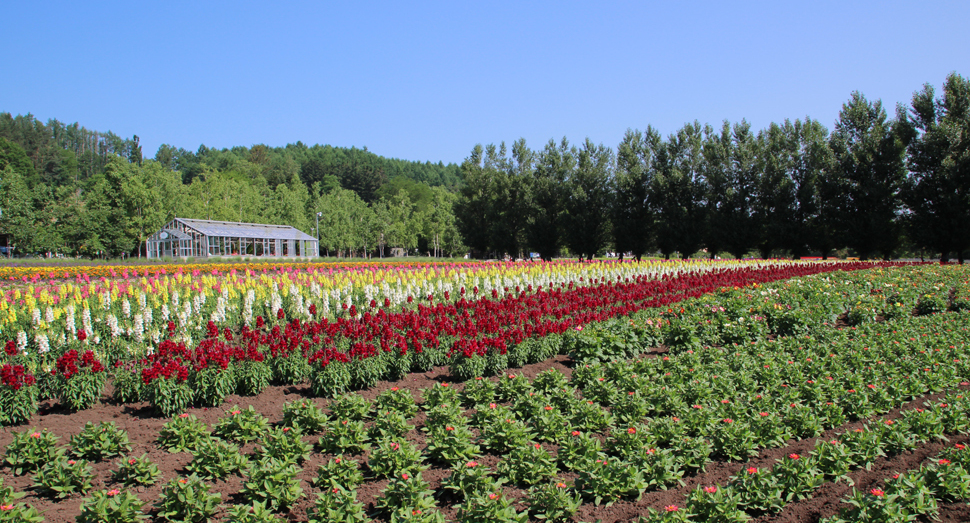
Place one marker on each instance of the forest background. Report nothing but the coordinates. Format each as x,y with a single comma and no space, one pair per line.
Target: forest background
876,185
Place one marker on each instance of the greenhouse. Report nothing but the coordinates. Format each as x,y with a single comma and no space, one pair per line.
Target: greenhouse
189,238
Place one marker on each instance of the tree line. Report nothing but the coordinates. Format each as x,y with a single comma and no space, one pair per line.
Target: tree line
872,187
69,190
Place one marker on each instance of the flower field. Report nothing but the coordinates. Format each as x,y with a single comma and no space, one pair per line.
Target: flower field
565,392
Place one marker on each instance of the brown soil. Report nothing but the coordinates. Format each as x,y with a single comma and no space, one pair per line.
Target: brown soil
143,428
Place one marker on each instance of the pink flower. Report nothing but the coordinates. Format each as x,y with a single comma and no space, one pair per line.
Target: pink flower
671,508
113,492
877,492
752,470
472,464
793,456
710,490
631,430
35,435
944,462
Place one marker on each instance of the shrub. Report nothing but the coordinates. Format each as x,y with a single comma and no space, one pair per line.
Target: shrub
96,442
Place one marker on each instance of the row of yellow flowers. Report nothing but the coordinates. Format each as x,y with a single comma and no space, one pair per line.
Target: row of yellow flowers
33,274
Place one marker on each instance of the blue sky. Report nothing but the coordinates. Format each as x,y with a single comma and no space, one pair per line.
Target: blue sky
427,80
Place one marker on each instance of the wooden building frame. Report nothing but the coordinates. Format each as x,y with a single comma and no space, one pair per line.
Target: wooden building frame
190,238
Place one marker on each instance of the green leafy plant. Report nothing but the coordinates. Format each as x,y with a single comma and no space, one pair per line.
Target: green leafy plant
272,481
64,477
96,442
553,501
478,391
467,366
439,394
408,497
339,472
344,436
874,505
389,424
127,383
30,450
170,396
503,435
137,471
451,444
252,377
329,378
758,490
949,481
396,399
625,441
489,507
798,476
337,504
256,512
290,369
212,384
609,480
111,506
528,465
660,468
444,415
241,425
13,512
187,500
394,457
284,443
304,415
669,514
580,449
721,504
350,406
471,477
183,433
216,459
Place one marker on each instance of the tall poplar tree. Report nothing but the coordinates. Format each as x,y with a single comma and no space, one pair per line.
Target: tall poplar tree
870,153
938,190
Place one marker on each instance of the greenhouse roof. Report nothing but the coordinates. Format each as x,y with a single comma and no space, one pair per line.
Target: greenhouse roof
246,230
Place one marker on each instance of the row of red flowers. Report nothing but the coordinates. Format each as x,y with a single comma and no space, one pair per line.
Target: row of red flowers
469,327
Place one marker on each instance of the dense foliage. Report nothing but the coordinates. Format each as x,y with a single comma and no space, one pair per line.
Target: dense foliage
872,187
875,186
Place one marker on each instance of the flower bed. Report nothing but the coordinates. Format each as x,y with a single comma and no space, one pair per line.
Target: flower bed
748,378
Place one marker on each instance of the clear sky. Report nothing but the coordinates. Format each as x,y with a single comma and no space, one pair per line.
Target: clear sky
427,80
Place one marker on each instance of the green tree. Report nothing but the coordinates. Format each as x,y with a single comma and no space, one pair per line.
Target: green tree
732,181
441,227
546,229
17,220
633,217
938,189
474,209
511,204
869,151
589,200
678,192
